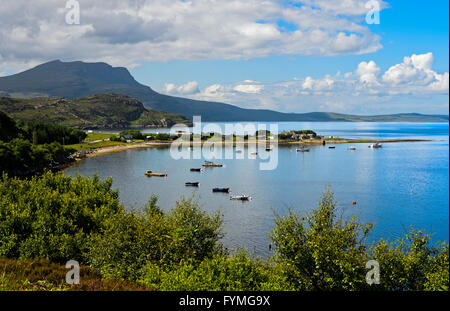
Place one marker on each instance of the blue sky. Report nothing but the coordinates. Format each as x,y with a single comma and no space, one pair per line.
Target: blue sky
406,27
285,55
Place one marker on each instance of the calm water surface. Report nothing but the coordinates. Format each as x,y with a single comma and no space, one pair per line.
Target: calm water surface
399,185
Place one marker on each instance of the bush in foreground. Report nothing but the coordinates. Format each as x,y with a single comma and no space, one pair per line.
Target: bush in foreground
61,218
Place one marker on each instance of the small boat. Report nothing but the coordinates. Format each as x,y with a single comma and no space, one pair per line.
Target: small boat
302,149
196,169
268,149
192,184
352,148
242,197
331,147
211,164
254,153
238,151
150,174
226,190
375,146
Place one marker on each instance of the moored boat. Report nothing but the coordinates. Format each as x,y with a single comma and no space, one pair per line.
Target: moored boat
211,164
150,174
225,190
375,146
196,169
242,197
352,148
302,149
331,147
192,184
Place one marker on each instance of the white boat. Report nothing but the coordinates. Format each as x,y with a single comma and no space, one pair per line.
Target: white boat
242,197
375,146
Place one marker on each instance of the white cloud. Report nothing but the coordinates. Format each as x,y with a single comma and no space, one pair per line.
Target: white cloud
368,72
249,88
318,84
345,7
126,32
184,89
364,92
414,70
441,83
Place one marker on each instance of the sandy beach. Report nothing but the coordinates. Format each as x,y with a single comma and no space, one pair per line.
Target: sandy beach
119,148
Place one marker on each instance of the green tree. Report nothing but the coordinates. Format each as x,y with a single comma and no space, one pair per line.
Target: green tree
8,128
133,239
321,251
411,263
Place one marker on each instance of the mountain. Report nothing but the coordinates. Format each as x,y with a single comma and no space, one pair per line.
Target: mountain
96,111
78,79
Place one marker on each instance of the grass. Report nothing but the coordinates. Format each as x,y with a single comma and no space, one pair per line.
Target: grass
101,144
43,275
98,136
95,141
96,111
100,140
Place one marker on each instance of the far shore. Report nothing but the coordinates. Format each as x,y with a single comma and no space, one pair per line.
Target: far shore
119,148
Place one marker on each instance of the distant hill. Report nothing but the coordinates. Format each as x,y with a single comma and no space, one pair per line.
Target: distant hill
101,111
78,79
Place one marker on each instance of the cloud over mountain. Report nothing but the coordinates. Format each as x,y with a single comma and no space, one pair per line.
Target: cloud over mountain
126,32
363,91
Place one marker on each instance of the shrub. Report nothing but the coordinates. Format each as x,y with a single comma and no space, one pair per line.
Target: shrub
46,133
412,264
20,157
134,134
133,239
219,273
53,216
162,136
321,251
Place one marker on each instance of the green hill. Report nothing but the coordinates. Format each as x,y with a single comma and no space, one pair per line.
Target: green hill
79,79
92,112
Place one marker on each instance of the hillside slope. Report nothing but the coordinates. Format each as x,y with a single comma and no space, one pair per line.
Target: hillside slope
101,111
79,79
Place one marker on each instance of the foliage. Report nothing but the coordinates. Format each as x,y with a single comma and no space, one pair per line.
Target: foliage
134,134
162,136
133,239
45,133
61,218
8,128
321,251
53,216
219,273
20,157
95,111
28,148
412,264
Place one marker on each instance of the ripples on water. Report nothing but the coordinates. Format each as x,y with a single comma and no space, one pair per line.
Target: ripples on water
399,185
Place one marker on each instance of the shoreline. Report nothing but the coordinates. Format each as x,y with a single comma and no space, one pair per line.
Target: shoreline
119,148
